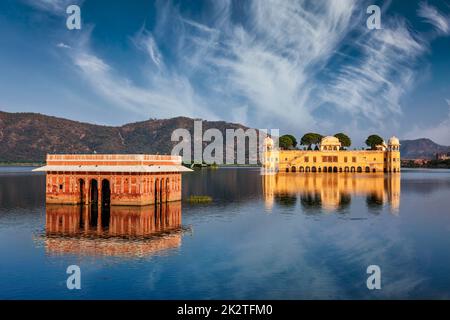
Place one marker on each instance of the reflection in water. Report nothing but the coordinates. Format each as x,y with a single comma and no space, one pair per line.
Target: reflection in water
113,231
332,192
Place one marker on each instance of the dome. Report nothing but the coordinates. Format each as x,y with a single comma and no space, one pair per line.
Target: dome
330,140
393,141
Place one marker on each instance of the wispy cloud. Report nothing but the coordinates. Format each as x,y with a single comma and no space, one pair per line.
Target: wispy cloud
373,84
144,40
431,15
57,7
279,65
63,45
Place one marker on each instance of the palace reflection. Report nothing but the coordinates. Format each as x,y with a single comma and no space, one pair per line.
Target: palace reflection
332,191
113,231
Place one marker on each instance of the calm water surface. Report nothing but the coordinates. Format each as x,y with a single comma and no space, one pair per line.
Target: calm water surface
295,236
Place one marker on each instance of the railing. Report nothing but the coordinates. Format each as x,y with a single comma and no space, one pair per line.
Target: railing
111,157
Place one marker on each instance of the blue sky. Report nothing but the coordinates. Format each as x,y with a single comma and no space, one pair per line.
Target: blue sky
294,65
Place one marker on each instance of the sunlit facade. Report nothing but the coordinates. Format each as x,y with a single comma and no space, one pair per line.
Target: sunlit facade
332,158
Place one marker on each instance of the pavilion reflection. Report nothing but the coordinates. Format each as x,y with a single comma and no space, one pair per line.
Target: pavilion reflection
113,231
332,191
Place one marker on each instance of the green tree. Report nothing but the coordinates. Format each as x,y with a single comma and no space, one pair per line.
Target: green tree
294,140
310,138
344,139
285,142
373,140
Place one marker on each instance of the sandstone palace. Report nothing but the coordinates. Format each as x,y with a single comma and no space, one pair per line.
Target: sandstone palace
113,179
330,157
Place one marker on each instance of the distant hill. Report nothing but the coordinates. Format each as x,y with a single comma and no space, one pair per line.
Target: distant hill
30,136
421,149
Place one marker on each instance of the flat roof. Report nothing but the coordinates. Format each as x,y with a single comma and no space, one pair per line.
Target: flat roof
106,168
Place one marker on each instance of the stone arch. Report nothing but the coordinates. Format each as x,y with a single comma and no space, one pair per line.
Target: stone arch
308,169
352,169
313,169
359,169
161,190
156,190
346,169
293,169
93,191
367,169
301,169
335,169
330,169
167,190
324,169
106,193
81,185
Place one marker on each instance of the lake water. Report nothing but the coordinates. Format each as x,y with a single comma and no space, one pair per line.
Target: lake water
294,236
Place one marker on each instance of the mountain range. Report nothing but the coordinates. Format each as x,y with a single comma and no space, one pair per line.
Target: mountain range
28,137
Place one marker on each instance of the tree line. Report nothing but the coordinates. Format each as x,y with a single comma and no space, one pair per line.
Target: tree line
309,139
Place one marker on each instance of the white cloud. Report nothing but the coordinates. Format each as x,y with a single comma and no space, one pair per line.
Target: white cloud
57,7
372,85
145,41
280,64
169,97
63,45
432,16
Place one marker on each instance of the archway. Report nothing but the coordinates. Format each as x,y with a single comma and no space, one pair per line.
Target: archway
340,169
167,190
301,169
308,169
346,169
320,170
94,192
367,169
106,203
352,169
161,191
359,169
335,169
106,193
374,170
313,169
81,185
156,190
330,169
293,169
324,169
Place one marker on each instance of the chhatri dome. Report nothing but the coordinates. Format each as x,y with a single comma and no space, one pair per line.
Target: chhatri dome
393,141
330,143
